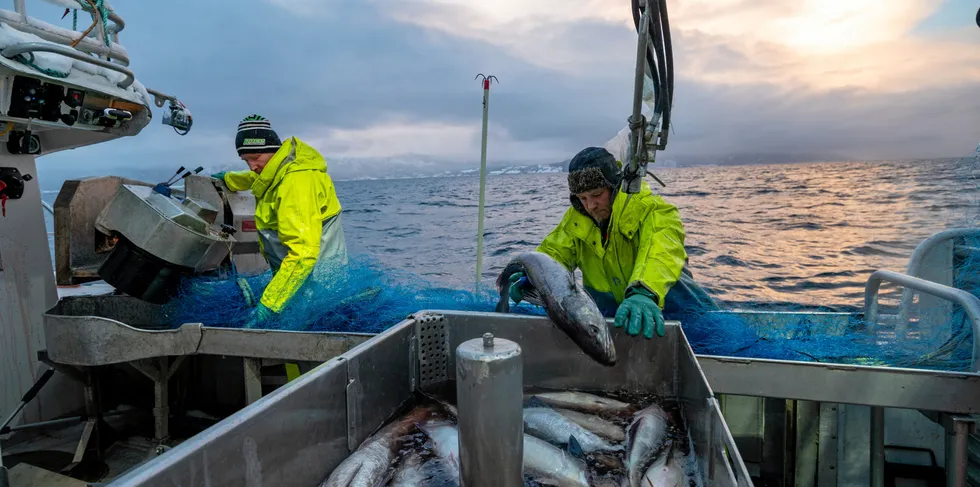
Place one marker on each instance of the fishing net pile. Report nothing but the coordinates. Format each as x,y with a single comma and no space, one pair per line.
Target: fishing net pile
361,297
367,297
929,334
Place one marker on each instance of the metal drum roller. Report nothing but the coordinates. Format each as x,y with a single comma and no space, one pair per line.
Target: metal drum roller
160,240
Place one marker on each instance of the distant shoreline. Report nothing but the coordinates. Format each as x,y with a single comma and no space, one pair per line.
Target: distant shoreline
499,170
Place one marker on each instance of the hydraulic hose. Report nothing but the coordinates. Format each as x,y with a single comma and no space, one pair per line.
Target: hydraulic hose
659,58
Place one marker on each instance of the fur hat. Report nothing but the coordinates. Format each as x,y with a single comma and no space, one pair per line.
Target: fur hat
592,168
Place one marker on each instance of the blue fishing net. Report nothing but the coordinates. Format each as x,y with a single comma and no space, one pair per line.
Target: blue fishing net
929,333
367,297
361,297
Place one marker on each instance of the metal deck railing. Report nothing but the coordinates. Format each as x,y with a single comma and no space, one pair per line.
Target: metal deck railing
92,48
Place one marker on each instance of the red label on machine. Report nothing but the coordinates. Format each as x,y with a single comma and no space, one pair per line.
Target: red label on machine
248,225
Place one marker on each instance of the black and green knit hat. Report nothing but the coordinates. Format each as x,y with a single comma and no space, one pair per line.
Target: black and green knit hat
255,136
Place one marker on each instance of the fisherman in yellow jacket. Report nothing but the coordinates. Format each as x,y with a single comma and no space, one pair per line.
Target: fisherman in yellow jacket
297,213
630,247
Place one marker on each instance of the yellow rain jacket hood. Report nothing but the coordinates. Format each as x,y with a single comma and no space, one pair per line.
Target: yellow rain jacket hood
645,246
295,210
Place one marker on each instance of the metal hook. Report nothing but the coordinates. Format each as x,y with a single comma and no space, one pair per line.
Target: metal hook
492,78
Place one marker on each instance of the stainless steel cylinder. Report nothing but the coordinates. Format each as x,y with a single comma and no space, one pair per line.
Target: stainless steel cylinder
489,397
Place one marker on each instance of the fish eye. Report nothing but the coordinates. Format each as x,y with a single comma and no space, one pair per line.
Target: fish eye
594,329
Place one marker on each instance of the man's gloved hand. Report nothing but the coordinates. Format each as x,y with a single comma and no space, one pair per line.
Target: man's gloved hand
518,281
219,176
639,312
260,316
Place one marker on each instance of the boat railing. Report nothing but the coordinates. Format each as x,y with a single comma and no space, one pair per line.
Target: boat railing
31,47
94,43
93,48
934,260
969,302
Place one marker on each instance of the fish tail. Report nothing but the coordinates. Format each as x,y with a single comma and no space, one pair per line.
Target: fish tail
503,305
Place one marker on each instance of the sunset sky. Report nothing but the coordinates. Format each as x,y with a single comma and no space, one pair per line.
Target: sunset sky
381,84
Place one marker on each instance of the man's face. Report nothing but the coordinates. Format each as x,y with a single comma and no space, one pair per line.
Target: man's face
596,203
257,162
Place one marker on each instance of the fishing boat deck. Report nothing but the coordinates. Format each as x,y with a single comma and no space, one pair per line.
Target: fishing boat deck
110,329
54,449
104,329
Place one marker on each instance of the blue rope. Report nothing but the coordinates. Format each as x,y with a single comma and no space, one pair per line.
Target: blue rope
101,10
30,62
104,13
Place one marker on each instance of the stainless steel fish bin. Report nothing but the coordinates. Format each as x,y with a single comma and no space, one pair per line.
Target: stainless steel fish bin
297,435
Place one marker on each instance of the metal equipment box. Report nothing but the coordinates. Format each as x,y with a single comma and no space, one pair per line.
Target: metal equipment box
297,435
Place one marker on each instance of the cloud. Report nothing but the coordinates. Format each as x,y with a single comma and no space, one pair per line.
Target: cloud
376,79
813,44
313,8
820,46
400,137
574,36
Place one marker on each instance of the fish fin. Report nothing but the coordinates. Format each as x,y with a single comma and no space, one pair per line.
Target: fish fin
445,405
385,479
535,402
631,433
575,448
666,450
531,295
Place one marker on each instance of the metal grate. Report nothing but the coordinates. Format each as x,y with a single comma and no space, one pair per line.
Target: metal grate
433,336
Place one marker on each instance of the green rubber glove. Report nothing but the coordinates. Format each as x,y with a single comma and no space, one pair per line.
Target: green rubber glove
261,315
517,282
219,175
639,312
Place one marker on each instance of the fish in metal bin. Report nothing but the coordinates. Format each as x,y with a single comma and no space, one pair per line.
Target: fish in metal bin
543,463
557,451
647,440
445,442
415,470
370,464
583,401
566,302
541,421
667,471
550,465
606,429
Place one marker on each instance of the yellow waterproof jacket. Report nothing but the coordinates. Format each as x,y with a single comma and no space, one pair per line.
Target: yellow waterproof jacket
645,246
295,203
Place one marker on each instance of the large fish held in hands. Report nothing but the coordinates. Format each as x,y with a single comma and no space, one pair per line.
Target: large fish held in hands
567,303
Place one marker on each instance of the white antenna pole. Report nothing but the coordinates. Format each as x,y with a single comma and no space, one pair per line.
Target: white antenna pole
483,177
